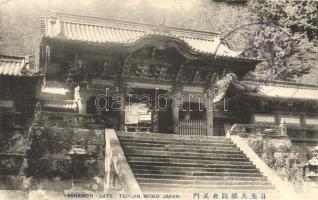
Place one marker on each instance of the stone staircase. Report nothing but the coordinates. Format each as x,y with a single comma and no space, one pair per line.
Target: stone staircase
174,163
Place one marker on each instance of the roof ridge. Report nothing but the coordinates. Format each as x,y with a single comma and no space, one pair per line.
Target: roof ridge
77,17
8,56
15,65
101,25
282,83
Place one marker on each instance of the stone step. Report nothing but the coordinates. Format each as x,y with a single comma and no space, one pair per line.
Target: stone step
199,159
221,161
163,162
192,164
124,142
202,182
191,169
180,187
184,149
161,136
194,173
189,155
173,147
179,140
186,142
202,178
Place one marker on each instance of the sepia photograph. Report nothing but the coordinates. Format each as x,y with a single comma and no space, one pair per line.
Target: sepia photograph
158,99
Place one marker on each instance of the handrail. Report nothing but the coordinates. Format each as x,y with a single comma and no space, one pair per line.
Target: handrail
71,114
115,158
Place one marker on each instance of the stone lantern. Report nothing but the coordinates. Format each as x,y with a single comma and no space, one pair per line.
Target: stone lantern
78,156
312,165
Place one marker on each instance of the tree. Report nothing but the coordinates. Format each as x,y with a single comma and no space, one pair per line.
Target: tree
298,16
290,56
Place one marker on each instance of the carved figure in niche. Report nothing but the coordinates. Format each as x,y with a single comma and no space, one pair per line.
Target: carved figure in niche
152,53
155,71
141,70
104,70
143,53
158,54
80,63
76,70
109,69
94,69
84,67
162,72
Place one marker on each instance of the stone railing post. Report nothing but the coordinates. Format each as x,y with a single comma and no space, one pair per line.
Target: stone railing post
108,162
283,128
312,165
231,131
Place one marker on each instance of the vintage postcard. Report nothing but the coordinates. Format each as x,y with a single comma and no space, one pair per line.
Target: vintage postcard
158,99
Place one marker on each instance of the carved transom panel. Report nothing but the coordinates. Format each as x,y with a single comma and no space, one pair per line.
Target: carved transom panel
86,68
153,63
151,71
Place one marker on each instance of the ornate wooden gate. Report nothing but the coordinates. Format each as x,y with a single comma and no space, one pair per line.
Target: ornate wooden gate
193,127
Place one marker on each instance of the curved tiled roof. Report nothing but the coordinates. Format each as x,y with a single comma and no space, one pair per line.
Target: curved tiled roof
97,30
60,105
286,90
54,87
13,65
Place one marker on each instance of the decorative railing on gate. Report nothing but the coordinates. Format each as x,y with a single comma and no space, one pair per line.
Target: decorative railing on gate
192,127
76,119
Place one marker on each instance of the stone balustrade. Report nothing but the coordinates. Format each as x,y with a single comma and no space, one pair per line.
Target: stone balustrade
118,174
76,119
258,129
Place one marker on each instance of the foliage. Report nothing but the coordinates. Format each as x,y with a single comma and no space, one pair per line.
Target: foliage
287,56
19,28
298,16
11,182
278,155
